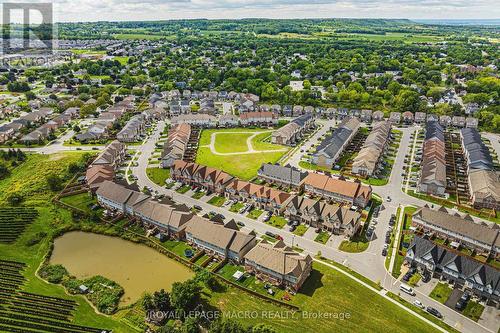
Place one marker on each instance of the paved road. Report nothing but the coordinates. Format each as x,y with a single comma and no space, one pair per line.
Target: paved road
369,263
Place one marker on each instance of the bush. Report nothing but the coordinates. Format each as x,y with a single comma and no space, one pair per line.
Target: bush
53,273
37,238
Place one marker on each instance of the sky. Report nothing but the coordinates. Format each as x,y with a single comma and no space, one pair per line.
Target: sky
135,10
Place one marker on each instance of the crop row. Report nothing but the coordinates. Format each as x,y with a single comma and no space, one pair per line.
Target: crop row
43,324
33,306
38,313
11,274
10,286
54,303
11,279
18,264
48,298
4,328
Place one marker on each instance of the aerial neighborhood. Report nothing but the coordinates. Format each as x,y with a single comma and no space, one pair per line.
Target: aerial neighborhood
179,175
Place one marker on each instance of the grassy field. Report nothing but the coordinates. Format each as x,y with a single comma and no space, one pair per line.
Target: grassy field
158,175
328,292
28,179
81,201
243,166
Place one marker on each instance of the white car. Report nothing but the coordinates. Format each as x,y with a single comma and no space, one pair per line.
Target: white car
419,304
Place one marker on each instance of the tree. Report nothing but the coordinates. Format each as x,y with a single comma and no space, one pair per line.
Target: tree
184,295
4,171
54,182
161,300
147,302
226,326
15,199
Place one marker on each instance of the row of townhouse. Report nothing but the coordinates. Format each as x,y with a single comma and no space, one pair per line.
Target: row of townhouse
482,238
338,189
433,169
133,130
367,161
330,149
483,179
13,129
105,165
294,131
446,121
281,266
285,176
176,144
258,119
464,272
330,217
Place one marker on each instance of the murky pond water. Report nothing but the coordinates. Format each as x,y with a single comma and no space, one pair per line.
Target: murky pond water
137,268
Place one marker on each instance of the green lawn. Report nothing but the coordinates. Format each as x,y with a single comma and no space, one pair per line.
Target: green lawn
81,201
262,142
217,201
322,237
243,166
183,189
158,175
441,292
177,247
355,245
141,36
235,208
300,230
198,195
326,291
231,142
255,213
277,221
473,310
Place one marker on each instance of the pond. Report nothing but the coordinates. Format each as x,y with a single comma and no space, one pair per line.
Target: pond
137,268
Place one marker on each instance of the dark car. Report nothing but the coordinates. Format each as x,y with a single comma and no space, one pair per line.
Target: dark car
462,302
384,252
241,224
197,207
270,234
407,277
387,239
426,277
434,312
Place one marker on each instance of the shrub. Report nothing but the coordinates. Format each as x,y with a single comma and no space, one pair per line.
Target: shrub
53,273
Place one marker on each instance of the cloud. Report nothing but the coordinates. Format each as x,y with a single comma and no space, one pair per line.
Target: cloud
113,10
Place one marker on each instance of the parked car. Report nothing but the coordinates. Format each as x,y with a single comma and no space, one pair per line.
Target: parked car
278,237
197,207
292,228
318,230
389,199
426,277
418,303
387,239
384,252
241,224
434,312
462,302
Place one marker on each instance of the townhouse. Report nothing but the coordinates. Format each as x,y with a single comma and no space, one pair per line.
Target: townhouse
292,133
433,169
458,229
378,116
223,241
408,117
278,264
104,167
483,179
366,162
199,120
176,144
395,118
464,272
258,119
329,217
133,129
210,179
285,176
338,189
220,240
328,152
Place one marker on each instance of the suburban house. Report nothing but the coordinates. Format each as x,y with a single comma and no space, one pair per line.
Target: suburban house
395,118
262,197
328,152
366,115
378,116
433,170
366,162
461,230
176,144
228,120
338,189
420,117
278,264
480,279
330,217
223,241
293,132
286,176
408,117
475,151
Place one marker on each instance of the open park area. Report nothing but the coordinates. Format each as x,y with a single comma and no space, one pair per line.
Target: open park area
239,152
